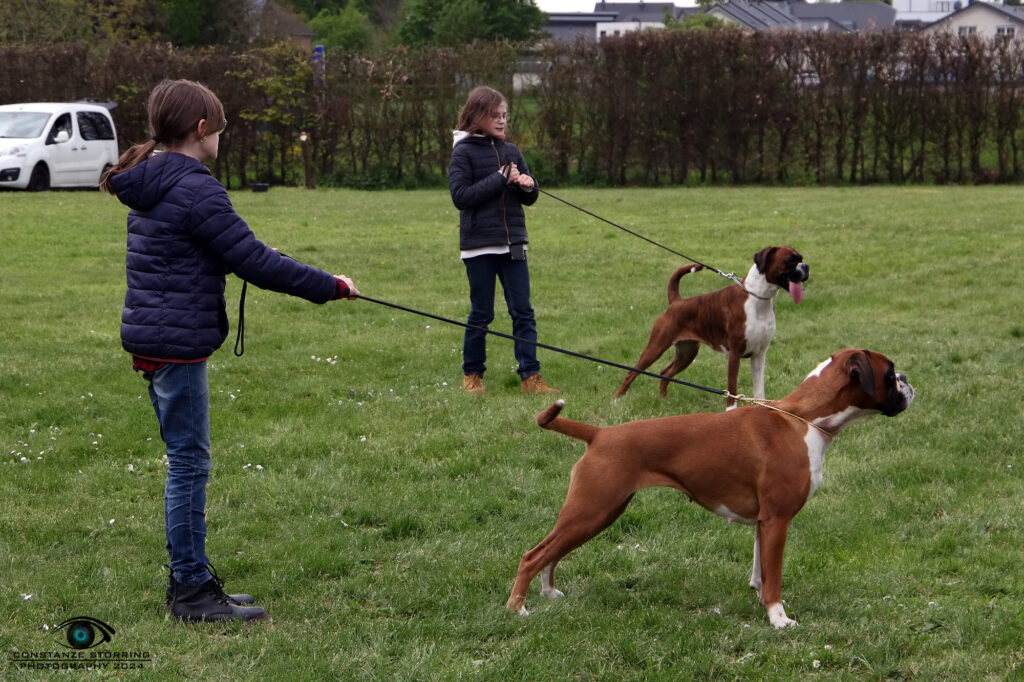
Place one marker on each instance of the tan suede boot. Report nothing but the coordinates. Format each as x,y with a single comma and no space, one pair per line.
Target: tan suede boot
535,384
473,383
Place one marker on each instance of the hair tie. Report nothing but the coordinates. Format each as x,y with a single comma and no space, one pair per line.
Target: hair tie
156,139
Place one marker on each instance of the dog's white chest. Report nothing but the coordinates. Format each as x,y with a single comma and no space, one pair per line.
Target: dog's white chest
817,444
760,324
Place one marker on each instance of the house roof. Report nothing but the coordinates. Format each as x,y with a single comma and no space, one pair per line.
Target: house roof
851,16
639,11
569,25
756,16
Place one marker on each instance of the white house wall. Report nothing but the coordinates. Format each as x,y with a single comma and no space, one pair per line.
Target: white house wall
618,28
985,22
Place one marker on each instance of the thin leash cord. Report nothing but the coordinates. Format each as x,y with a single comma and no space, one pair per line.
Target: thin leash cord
716,391
727,275
574,354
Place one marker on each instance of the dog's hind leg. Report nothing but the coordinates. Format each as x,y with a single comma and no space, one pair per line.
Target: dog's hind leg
547,575
547,583
686,351
579,521
660,340
755,572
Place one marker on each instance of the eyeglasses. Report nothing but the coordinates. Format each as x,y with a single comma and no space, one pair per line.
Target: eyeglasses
223,126
501,117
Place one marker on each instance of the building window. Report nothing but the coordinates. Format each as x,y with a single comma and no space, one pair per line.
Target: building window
944,6
1004,31
967,30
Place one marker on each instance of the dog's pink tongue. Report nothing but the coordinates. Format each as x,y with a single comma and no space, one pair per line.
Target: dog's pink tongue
796,290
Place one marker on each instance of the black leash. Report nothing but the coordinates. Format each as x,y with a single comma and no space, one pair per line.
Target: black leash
727,275
240,337
543,345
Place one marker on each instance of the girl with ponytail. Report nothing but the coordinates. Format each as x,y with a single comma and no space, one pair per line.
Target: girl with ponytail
184,236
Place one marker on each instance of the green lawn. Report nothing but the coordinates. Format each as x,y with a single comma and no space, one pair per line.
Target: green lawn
379,514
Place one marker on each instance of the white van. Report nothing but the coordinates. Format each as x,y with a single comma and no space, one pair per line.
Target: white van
55,144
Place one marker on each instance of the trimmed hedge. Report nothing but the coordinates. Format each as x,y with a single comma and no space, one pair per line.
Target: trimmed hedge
651,108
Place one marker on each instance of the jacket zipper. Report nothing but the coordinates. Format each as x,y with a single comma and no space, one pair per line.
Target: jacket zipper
501,203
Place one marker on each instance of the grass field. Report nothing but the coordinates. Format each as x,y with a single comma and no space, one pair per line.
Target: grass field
378,513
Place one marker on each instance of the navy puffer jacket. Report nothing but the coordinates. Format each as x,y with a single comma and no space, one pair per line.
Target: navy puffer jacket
490,210
183,238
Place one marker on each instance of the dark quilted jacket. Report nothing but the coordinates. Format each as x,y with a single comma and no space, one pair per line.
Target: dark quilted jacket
183,237
490,210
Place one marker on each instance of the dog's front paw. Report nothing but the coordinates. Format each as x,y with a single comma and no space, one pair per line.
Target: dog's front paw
552,593
779,619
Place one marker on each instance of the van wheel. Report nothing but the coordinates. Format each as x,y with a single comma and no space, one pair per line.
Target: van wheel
40,179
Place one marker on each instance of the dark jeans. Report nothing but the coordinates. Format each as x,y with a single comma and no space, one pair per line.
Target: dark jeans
181,398
514,276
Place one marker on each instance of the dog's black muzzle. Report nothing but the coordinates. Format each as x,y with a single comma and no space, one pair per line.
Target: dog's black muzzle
899,399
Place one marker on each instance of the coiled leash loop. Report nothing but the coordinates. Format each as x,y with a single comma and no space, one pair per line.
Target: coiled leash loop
240,337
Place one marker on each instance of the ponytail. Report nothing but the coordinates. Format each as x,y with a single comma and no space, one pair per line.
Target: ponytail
175,108
135,155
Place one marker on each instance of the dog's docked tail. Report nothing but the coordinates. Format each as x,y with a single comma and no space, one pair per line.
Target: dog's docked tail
673,281
549,419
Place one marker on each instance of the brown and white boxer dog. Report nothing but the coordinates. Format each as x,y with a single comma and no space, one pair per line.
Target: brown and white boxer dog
754,464
736,320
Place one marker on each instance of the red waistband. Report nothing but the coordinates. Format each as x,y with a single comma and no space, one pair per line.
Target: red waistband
144,364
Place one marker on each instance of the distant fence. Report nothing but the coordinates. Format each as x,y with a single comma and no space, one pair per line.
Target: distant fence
651,108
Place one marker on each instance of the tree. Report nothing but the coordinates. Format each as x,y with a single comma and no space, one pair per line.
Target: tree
98,23
449,23
204,22
348,28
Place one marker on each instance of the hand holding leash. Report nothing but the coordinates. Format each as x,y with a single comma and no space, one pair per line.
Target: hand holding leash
353,293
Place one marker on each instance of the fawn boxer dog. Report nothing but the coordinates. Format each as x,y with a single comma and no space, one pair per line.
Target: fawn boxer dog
757,464
736,320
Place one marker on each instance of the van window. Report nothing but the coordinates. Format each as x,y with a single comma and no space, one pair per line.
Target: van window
22,124
62,123
94,126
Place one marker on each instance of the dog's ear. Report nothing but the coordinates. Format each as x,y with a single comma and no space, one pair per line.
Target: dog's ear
860,369
762,256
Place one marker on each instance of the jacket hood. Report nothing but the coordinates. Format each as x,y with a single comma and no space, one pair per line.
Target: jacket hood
465,136
143,186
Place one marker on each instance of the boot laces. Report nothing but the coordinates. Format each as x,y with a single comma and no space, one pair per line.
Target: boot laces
217,586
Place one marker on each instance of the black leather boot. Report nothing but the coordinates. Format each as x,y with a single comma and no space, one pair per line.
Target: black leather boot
209,603
236,599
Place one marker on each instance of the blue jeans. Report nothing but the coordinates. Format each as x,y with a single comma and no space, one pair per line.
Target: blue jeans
515,281
181,398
